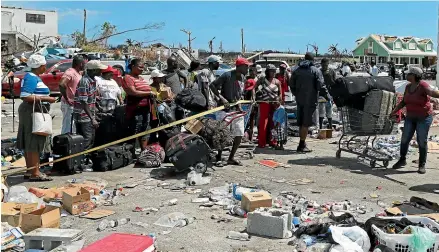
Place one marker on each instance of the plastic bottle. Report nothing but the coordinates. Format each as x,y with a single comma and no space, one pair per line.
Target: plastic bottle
103,225
104,194
239,190
185,222
120,222
238,211
238,236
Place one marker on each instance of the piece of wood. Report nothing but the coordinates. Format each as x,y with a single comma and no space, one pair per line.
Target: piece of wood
98,213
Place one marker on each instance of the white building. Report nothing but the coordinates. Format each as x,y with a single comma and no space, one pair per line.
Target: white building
21,26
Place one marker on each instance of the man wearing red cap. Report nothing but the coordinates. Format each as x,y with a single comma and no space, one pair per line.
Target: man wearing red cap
231,86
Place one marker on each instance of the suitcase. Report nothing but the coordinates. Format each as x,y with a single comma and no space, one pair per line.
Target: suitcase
377,107
66,145
188,150
111,127
347,90
113,157
382,83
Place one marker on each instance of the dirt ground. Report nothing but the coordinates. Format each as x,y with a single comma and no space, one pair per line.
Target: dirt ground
205,234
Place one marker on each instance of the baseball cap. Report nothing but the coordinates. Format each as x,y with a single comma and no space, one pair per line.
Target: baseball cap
271,67
283,66
36,60
95,64
214,58
109,69
249,84
259,68
156,74
416,71
242,61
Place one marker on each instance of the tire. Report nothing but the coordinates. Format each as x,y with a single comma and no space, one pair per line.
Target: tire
338,154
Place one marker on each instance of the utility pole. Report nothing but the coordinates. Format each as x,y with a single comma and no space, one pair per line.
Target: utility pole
189,33
221,47
211,45
83,29
242,41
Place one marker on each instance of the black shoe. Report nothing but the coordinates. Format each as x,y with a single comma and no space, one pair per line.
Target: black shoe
303,149
401,163
421,169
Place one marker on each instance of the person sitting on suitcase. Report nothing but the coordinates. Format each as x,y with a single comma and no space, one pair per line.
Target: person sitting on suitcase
419,117
231,85
85,102
306,83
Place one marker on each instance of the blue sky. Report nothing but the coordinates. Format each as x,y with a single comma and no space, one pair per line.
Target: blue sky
267,25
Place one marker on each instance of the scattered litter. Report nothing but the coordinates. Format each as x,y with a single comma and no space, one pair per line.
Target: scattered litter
200,200
303,181
97,214
130,185
233,235
172,202
170,220
373,195
269,163
139,224
194,178
166,232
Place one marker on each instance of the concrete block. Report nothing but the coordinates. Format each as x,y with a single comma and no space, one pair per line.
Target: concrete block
50,238
270,222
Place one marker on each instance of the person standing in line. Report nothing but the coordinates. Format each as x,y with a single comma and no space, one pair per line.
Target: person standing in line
325,107
109,92
35,95
174,78
85,102
392,70
231,86
284,77
419,117
268,91
138,98
206,77
374,69
259,73
305,84
193,70
404,69
67,86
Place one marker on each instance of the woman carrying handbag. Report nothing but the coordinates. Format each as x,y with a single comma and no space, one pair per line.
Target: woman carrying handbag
35,123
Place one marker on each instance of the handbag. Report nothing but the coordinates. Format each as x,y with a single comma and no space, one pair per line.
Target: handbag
41,121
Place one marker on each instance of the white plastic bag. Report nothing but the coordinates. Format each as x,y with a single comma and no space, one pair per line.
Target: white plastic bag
41,122
170,220
350,239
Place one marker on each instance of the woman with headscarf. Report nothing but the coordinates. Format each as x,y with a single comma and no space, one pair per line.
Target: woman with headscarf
268,91
138,107
419,117
35,95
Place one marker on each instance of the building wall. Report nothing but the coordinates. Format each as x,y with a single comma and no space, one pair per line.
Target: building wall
14,19
13,45
377,49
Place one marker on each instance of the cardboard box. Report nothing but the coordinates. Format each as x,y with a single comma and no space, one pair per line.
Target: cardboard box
166,93
325,133
77,200
12,212
194,126
47,217
252,200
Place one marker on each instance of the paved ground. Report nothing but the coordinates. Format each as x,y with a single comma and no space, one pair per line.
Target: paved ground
208,235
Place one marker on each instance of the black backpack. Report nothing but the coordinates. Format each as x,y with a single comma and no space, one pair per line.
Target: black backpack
191,99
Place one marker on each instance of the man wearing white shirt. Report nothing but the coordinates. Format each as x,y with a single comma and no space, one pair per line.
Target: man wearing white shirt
374,69
346,70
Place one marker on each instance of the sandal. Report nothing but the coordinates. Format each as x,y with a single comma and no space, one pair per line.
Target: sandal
40,178
234,162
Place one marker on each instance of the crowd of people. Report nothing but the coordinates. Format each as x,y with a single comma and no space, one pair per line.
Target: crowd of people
89,87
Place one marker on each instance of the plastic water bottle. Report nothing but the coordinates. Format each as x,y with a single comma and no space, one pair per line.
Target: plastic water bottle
236,210
120,222
103,225
238,236
239,190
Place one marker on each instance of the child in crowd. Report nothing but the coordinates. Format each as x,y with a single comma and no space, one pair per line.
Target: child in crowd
278,132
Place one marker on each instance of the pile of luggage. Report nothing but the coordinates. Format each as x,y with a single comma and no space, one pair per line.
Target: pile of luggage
369,100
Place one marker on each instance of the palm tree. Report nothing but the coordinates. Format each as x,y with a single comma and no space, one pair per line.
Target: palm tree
129,42
333,50
107,30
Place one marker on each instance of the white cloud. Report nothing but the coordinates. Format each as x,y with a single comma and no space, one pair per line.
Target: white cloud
77,12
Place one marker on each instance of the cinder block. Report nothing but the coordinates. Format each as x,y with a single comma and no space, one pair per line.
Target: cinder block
50,238
270,222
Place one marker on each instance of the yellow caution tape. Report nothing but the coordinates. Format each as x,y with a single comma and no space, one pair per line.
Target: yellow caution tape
16,171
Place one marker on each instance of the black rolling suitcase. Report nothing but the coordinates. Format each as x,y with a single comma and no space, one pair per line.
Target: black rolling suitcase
188,150
113,157
111,126
66,145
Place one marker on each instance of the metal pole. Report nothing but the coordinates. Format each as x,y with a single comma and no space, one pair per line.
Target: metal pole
11,90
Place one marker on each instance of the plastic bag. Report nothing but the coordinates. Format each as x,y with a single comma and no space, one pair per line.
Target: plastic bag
19,194
422,238
352,239
170,220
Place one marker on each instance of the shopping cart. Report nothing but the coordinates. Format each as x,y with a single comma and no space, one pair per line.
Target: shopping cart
360,130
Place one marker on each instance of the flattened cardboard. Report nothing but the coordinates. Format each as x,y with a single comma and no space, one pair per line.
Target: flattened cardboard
166,93
77,200
194,126
47,217
252,200
98,213
11,212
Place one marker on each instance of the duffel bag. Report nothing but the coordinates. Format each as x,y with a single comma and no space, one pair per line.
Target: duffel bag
384,83
216,133
113,157
152,156
191,99
350,86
